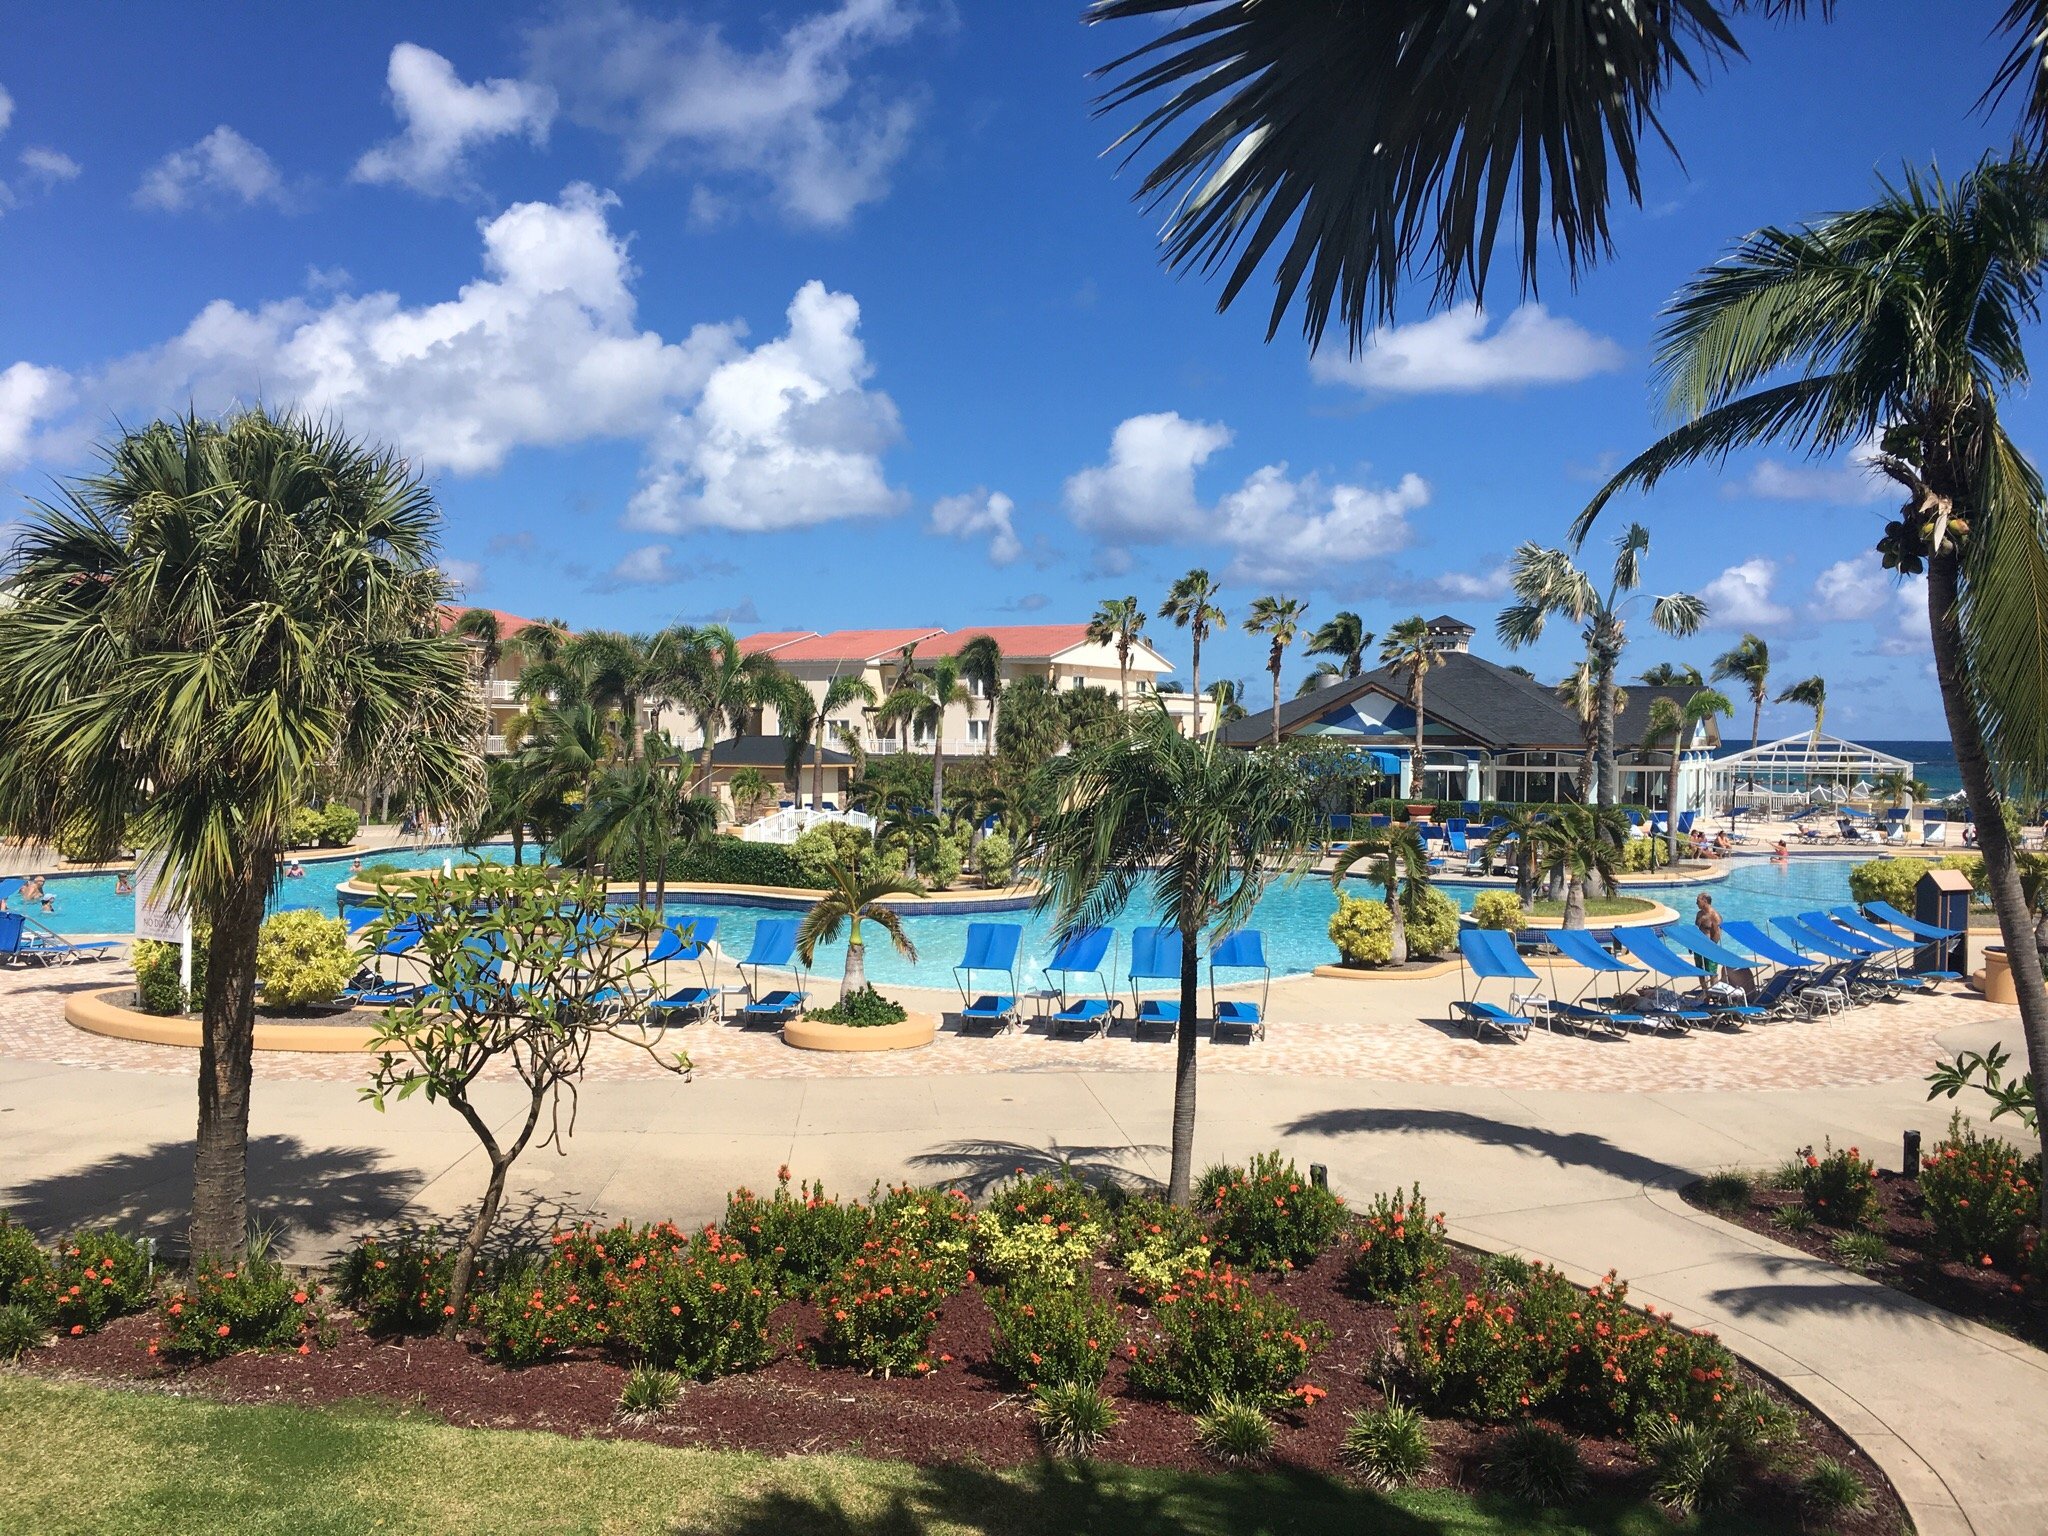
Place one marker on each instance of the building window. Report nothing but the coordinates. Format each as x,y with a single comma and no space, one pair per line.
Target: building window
977,731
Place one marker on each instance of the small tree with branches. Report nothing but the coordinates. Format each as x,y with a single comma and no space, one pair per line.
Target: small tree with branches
522,975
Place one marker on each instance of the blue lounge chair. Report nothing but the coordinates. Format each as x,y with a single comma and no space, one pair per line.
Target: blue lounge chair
1803,937
1155,956
1083,954
1754,939
990,947
1940,945
1856,922
1490,956
775,1008
17,943
1243,950
689,940
360,916
774,948
1723,999
1663,961
1582,948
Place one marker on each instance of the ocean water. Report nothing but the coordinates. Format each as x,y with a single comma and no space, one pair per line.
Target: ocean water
1934,763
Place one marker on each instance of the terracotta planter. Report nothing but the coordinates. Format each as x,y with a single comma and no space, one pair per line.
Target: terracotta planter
811,1035
1995,980
1421,813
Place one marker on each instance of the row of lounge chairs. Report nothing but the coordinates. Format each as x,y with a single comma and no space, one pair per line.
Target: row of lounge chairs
1814,964
1155,957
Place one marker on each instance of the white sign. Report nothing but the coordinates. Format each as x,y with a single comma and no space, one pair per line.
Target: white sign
155,918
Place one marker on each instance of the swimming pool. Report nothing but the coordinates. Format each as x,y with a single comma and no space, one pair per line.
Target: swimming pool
1294,918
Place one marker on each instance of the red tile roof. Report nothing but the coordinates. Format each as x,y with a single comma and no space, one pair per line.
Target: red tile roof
854,644
509,624
773,640
1025,642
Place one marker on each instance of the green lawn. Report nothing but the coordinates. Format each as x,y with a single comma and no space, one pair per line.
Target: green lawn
92,1459
1597,906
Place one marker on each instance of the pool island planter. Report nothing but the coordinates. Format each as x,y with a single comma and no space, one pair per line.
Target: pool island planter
112,1013
816,1035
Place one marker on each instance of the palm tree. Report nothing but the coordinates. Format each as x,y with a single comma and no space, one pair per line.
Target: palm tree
566,747
1344,637
197,633
515,798
1191,604
616,670
1577,692
1467,110
1901,788
1517,831
1408,647
748,788
639,806
486,639
851,688
921,702
1279,619
1748,661
1198,828
1398,863
1668,674
848,902
1547,585
1317,678
796,721
706,673
1117,623
1577,843
981,667
1810,693
1905,318
1228,699
1680,722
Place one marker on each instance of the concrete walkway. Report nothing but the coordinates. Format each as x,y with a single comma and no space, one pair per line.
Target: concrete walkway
1956,1415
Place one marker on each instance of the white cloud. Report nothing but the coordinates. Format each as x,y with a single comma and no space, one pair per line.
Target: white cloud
1279,527
221,167
1146,490
1740,597
468,575
1489,583
792,115
1856,483
1851,590
647,566
783,436
1451,353
49,166
6,108
443,120
1908,635
29,397
978,512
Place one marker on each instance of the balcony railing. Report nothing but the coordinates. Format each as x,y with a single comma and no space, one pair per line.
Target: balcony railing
494,746
500,690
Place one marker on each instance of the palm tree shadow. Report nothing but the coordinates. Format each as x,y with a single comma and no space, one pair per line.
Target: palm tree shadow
1581,1149
979,1166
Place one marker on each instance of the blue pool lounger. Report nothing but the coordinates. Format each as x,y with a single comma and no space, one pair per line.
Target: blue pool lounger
690,941
1083,953
991,947
1244,950
1583,948
1490,956
1155,956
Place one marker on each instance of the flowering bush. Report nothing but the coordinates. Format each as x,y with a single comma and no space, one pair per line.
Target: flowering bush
98,1276
1038,1254
397,1287
1839,1188
703,1311
802,1235
247,1303
937,1223
1980,1193
1468,1353
1055,1336
1269,1216
1399,1243
1216,1337
881,1309
1045,1199
539,1309
25,1270
1157,1243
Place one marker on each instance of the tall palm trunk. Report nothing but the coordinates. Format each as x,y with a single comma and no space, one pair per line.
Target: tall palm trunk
818,766
939,768
2001,869
1574,901
856,975
709,725
1608,782
1671,804
1275,670
1180,1175
220,1183
1397,938
1419,788
1756,718
1197,670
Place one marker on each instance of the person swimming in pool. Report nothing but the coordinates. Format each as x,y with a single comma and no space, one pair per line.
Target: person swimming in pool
1780,853
123,885
295,870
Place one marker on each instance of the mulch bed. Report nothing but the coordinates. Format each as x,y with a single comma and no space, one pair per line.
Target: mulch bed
1994,1297
965,1411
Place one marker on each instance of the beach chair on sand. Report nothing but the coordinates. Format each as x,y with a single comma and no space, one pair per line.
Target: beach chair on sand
1242,950
1490,956
1727,1002
1155,956
991,947
1083,954
774,948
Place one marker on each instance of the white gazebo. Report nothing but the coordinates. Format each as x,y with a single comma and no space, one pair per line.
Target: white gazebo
1807,769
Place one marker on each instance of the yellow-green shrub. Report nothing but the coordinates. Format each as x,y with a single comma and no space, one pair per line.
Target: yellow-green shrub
1499,909
1432,924
1891,880
1034,1253
997,857
1362,930
302,957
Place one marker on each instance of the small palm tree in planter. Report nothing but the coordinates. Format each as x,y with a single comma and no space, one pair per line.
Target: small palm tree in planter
1400,864
849,901
1577,844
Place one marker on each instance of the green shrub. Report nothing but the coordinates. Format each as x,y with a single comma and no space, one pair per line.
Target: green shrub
881,1310
1839,1187
862,1008
22,1329
1640,855
25,1270
245,1303
302,828
1539,1466
1055,1334
1269,1216
1398,1243
1728,1191
940,866
721,861
802,1238
157,966
939,1223
1157,1244
1499,909
1052,1199
1467,1353
302,958
703,1311
1388,1445
96,1277
1693,1468
815,851
1073,1418
648,1393
1860,1251
397,1287
1892,880
1217,1337
1829,1488
1433,921
1362,930
1980,1193
523,1319
339,825
1235,1432
1792,1218
1507,1271
996,858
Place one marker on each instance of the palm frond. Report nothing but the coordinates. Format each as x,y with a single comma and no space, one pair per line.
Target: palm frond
2002,609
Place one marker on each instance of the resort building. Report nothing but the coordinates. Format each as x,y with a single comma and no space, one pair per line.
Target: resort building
499,679
1062,654
1489,732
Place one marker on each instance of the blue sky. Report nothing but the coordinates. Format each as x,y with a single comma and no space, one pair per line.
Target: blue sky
833,312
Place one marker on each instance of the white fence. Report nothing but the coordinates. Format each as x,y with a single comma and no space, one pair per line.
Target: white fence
790,823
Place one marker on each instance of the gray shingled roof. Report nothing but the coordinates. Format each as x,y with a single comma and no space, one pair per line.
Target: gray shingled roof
1633,721
1477,698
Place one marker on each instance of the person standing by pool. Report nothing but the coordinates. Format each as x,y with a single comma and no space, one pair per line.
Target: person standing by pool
1706,918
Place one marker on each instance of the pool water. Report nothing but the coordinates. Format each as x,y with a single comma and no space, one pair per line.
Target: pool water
1294,918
